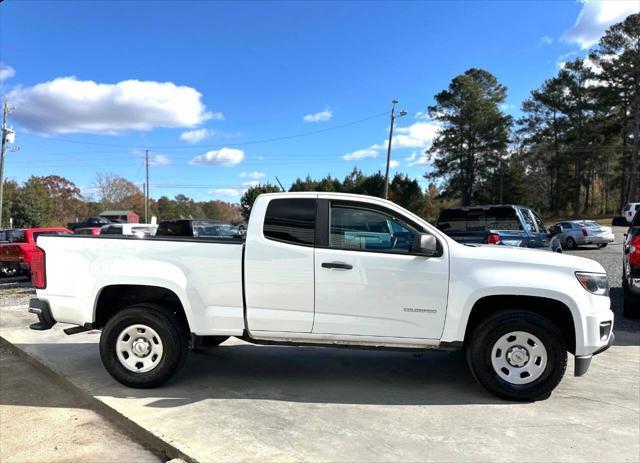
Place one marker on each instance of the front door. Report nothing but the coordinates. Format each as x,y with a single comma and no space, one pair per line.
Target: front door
369,284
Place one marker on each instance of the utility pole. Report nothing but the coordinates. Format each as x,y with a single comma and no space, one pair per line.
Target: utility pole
393,118
7,137
146,196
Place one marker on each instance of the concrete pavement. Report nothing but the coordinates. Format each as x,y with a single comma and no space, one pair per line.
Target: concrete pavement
241,402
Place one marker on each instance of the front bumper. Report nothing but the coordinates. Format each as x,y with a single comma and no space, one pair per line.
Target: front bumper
42,309
583,362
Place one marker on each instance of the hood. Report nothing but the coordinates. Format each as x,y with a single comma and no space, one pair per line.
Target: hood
532,256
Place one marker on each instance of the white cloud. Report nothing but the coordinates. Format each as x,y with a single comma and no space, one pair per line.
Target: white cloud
159,160
562,59
222,157
417,159
322,116
230,192
418,135
393,164
255,175
595,18
251,183
6,72
195,136
370,152
421,115
69,105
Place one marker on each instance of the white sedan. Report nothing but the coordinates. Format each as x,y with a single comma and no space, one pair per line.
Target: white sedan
581,232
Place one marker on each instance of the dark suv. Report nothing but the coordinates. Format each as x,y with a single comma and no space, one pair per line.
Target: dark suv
631,269
507,225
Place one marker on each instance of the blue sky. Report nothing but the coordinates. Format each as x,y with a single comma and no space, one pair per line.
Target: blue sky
202,84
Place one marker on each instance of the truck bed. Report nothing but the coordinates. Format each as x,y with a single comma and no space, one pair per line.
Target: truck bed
208,270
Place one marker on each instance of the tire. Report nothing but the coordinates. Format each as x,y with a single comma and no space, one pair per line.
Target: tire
159,332
545,366
602,245
570,243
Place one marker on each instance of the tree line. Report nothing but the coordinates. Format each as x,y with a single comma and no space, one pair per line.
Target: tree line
55,201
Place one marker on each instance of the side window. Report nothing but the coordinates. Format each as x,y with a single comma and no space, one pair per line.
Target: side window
366,229
528,220
291,220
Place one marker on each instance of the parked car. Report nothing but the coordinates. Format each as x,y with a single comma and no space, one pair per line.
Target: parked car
576,233
139,230
16,255
87,231
506,225
198,228
329,269
631,269
630,210
89,223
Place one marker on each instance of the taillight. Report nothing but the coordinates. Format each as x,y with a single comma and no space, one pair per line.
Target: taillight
493,239
634,251
38,271
585,232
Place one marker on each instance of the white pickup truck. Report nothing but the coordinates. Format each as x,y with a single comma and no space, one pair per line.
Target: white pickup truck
332,270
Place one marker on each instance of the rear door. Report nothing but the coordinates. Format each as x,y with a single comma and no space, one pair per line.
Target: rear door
368,283
279,266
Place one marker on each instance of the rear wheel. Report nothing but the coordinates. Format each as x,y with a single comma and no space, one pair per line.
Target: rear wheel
602,245
517,355
143,346
571,243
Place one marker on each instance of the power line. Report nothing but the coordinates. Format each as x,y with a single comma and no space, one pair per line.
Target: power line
222,145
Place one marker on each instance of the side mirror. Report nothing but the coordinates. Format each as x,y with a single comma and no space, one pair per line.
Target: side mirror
424,244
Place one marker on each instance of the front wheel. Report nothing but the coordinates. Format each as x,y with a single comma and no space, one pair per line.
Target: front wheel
143,346
517,355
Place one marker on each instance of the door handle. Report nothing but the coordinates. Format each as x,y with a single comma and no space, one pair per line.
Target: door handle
340,265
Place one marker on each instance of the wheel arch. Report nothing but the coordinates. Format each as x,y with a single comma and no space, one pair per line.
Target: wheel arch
552,309
113,298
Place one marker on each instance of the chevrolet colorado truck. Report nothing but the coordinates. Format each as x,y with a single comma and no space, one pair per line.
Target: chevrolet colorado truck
328,269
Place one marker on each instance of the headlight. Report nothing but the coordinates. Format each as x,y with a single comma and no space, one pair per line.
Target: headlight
595,283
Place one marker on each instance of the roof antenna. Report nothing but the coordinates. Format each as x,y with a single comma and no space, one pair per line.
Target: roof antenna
283,190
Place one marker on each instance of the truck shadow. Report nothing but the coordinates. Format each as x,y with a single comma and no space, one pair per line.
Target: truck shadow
239,371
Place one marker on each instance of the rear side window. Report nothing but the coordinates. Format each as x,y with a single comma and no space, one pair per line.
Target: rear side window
476,220
291,220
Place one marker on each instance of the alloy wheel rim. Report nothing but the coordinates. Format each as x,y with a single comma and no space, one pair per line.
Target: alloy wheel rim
139,348
519,357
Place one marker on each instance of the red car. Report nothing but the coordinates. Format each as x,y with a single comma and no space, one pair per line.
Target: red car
87,231
16,254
